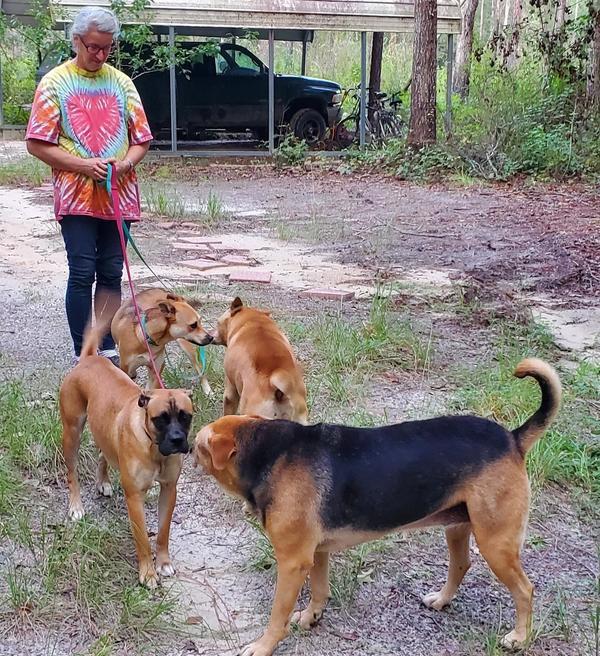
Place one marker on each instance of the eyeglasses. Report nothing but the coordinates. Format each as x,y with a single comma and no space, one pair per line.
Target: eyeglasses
94,50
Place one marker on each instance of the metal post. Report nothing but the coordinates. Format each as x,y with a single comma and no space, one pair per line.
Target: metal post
363,88
173,90
304,44
449,74
271,91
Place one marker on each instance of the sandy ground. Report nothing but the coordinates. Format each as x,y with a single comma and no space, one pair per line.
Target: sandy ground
321,229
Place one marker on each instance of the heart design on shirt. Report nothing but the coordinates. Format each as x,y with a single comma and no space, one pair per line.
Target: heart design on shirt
95,120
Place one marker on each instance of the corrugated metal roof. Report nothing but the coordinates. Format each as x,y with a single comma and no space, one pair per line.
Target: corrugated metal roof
354,15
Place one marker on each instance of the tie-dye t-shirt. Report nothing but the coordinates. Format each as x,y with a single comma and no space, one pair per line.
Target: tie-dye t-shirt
90,115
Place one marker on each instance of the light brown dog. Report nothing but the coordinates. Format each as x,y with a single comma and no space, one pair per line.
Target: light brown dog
323,488
166,317
142,434
262,376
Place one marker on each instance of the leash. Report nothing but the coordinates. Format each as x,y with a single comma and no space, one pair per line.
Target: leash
113,191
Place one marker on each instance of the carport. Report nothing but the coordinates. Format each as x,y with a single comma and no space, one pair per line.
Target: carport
288,20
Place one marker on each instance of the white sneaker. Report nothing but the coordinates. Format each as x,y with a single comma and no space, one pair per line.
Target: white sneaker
112,355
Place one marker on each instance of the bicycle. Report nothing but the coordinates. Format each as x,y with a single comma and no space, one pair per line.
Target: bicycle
384,124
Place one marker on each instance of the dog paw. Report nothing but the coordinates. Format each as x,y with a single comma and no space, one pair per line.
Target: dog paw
165,569
256,649
149,580
206,388
513,641
435,600
104,488
306,618
76,511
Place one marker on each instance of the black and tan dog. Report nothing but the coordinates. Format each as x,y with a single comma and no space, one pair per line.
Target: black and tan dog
142,434
166,317
262,375
324,488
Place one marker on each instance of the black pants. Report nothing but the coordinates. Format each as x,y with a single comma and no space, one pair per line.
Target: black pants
94,255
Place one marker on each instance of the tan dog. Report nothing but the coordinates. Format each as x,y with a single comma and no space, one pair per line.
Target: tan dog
262,376
142,434
167,317
323,488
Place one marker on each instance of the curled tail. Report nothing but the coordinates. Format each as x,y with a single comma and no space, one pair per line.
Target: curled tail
549,382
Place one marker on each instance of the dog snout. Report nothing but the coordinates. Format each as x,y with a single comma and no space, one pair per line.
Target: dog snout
207,339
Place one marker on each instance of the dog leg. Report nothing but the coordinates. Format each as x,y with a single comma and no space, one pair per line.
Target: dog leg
135,507
457,538
501,553
231,398
166,505
319,592
190,350
102,481
291,574
71,438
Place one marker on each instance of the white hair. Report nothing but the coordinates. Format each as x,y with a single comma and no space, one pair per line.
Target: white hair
98,18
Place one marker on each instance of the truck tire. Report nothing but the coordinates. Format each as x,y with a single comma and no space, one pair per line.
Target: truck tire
308,124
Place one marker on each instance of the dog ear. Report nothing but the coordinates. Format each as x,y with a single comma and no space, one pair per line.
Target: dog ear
167,309
143,400
174,297
236,305
222,448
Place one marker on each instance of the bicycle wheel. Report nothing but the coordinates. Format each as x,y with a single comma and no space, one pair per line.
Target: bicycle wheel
346,132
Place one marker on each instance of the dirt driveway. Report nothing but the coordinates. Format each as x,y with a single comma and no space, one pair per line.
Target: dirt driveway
459,261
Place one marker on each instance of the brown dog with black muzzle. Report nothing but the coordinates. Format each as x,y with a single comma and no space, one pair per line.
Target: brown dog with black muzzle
142,434
323,488
166,317
262,376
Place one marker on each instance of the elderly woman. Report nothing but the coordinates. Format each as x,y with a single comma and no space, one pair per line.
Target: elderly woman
85,115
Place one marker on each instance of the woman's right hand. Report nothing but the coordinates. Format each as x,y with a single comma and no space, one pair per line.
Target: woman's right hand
95,168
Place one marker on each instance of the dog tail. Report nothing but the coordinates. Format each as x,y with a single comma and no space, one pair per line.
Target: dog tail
549,382
91,338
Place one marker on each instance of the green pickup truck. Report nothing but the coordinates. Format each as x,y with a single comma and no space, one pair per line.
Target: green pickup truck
229,91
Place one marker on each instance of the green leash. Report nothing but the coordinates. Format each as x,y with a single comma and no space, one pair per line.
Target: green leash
200,351
128,234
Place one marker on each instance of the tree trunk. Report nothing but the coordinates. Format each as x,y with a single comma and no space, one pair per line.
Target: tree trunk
375,73
481,19
593,81
515,37
421,126
460,84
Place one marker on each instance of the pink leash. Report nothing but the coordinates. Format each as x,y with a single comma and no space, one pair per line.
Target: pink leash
114,192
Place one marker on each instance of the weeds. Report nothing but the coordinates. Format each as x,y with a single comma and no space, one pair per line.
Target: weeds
161,202
290,152
213,209
347,353
27,171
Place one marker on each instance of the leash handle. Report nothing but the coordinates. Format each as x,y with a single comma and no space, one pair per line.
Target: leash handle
114,193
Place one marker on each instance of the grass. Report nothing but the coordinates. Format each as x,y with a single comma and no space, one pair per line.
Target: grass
26,171
164,202
345,353
569,454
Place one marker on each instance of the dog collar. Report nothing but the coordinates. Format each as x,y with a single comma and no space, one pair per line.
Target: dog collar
144,325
